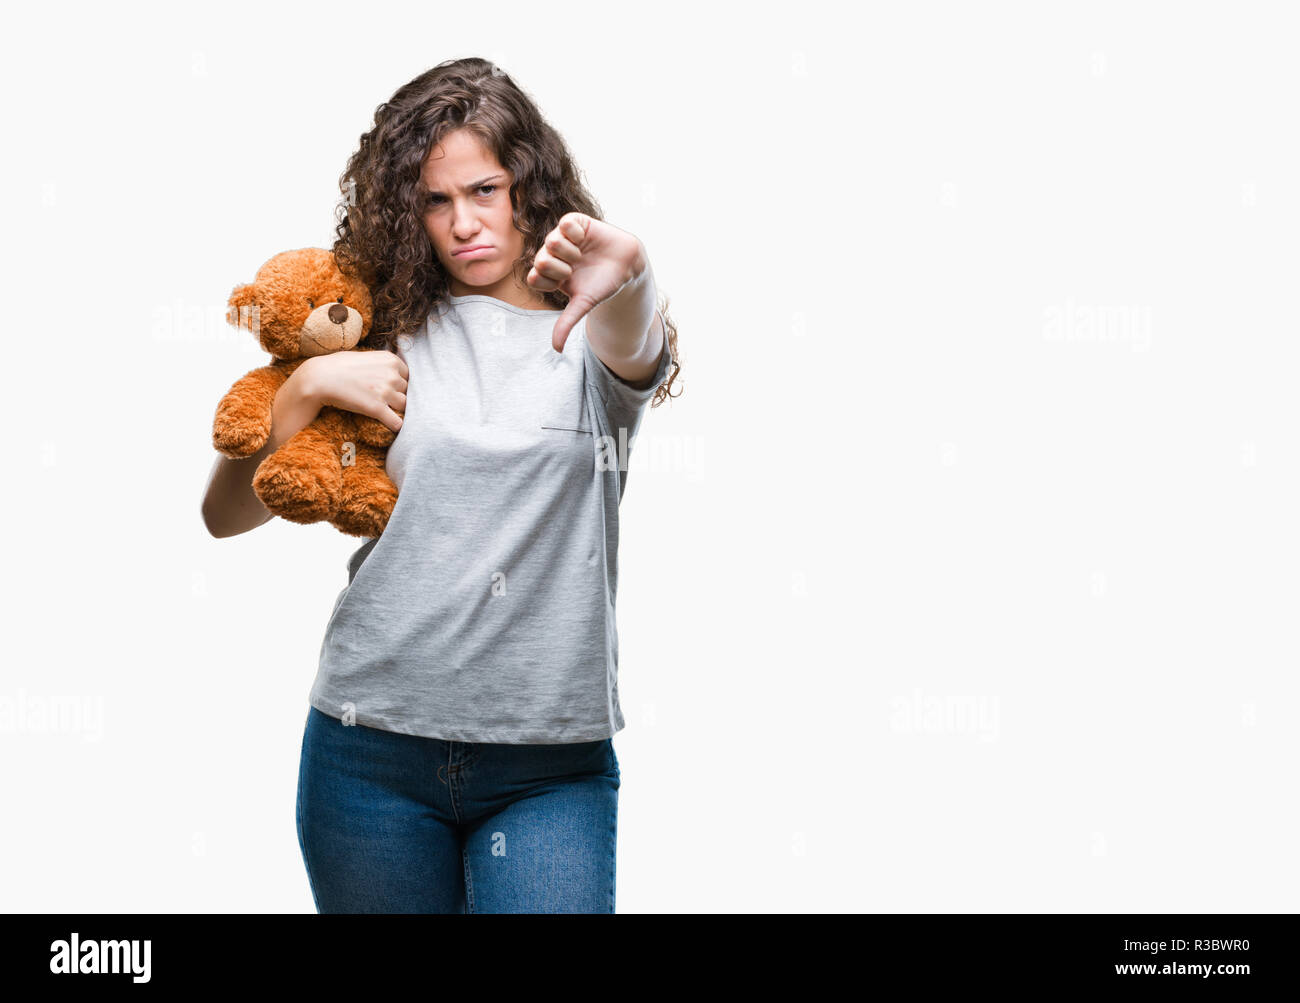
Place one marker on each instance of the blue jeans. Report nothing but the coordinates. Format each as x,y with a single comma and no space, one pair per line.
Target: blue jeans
398,823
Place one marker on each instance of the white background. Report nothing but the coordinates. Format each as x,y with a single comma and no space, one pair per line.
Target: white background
962,576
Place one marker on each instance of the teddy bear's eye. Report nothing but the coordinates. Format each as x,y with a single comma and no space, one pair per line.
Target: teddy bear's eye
311,304
340,299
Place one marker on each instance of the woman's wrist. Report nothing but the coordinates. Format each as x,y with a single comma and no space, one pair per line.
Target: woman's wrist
302,384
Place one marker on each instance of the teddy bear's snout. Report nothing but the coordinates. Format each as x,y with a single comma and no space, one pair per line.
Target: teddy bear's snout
331,327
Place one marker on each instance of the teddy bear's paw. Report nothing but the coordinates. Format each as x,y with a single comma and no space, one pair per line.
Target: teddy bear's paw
366,514
352,525
239,442
242,423
297,494
375,433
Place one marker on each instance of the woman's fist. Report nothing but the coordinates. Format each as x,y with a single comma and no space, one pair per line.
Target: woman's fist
589,261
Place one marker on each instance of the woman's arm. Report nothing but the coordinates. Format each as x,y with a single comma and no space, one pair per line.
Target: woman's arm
620,333
367,383
230,506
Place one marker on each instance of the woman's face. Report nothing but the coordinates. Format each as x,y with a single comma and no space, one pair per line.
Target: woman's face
469,221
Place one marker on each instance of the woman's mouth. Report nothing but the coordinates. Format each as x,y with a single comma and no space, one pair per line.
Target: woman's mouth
473,251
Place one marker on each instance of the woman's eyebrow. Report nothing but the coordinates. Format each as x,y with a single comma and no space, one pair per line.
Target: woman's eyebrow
470,187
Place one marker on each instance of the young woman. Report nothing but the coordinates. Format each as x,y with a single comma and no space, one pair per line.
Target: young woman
457,755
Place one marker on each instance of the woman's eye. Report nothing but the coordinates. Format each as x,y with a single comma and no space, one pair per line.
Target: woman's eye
438,199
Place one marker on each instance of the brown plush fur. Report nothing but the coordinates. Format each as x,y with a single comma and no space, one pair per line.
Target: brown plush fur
301,305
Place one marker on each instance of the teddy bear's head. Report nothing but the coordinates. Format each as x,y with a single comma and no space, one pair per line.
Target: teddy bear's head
300,304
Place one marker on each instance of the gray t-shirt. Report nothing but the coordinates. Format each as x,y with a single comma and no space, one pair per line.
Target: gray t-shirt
485,610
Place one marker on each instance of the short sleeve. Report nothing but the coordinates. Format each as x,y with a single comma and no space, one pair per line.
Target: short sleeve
623,404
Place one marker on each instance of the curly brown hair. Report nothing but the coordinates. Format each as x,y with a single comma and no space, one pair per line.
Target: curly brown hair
380,235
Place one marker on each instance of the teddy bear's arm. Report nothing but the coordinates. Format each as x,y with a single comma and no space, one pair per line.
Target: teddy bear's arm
242,423
373,432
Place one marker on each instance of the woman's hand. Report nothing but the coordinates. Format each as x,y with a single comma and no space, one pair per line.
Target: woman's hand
588,260
369,383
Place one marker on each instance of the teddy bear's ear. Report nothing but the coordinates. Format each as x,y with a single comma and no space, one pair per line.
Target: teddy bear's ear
238,307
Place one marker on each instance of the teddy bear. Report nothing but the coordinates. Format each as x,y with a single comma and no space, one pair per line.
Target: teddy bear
301,305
